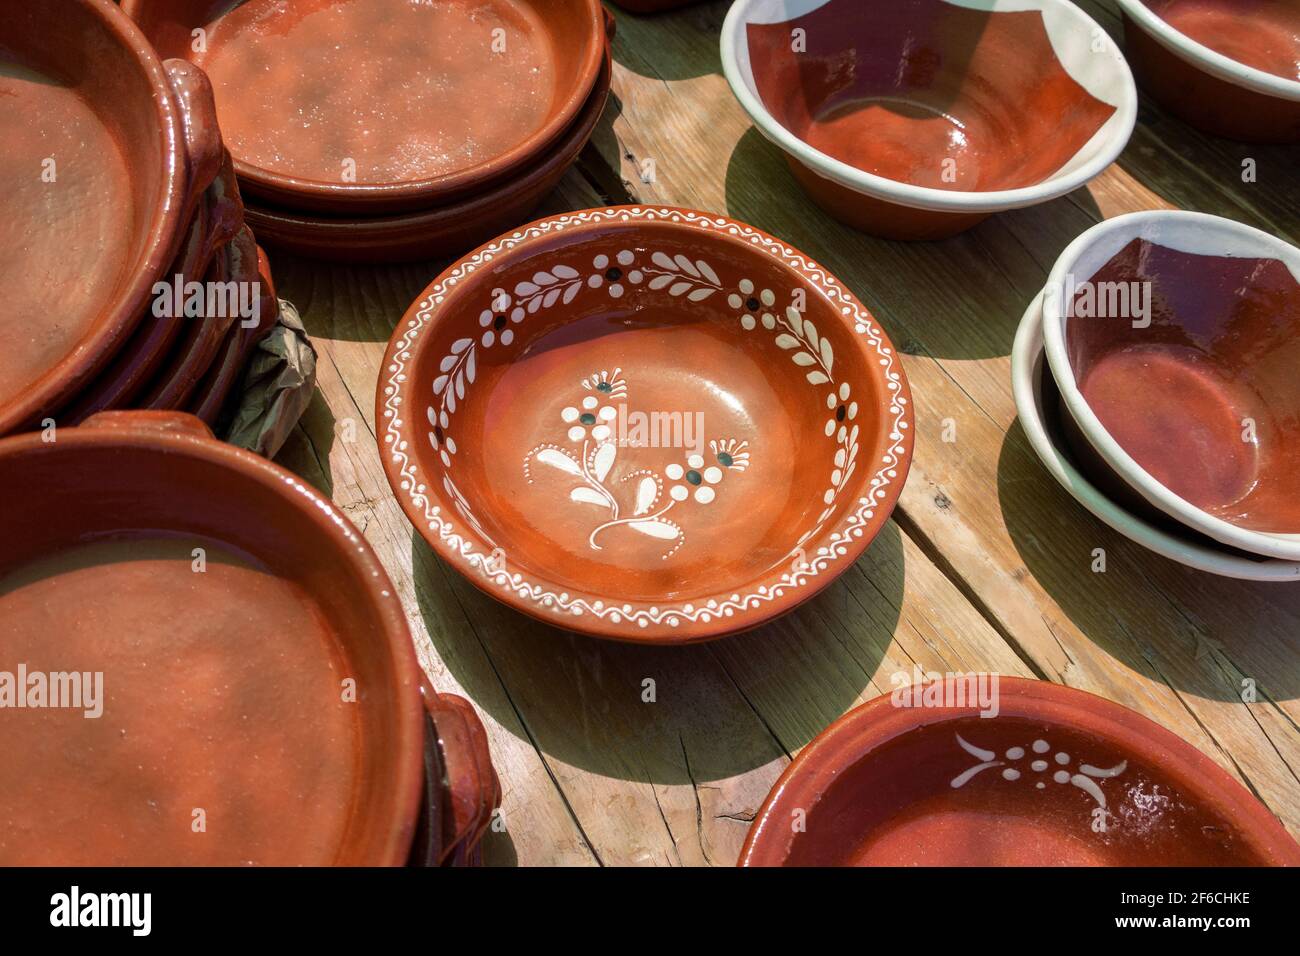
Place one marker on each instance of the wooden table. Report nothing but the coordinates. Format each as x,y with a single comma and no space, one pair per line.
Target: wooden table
986,564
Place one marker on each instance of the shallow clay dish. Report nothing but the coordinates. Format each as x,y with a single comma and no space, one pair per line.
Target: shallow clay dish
1229,67
439,232
1057,778
239,705
84,239
620,422
1097,488
1192,398
439,101
917,119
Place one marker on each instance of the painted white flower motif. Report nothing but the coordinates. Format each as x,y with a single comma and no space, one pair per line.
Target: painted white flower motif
1085,778
731,453
592,415
612,384
612,272
644,505
755,305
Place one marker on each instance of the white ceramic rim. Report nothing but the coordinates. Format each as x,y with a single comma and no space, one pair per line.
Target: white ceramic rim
1202,57
1070,31
1028,346
1194,233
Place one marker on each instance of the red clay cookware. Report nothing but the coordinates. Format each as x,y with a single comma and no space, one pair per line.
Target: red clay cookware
1229,67
246,690
644,423
441,231
916,119
1052,777
98,194
441,101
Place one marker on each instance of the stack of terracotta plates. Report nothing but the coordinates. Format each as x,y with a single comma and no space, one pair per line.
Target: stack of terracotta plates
127,275
382,129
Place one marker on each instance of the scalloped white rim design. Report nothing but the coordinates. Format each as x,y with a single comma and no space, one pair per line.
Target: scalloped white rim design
488,565
1202,57
1070,32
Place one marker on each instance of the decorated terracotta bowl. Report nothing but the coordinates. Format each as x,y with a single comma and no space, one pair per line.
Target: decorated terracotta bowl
1095,486
368,106
1173,339
245,686
443,230
99,192
1020,773
916,119
1229,67
644,423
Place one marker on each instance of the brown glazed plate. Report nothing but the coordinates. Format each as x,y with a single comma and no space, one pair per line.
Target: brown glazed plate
916,119
441,231
644,423
1051,777
1199,367
284,701
440,100
1229,67
96,197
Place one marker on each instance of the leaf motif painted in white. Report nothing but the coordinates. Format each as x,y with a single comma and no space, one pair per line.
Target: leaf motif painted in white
658,282
646,492
543,278
525,288
678,288
663,261
817,378
439,384
572,291
460,345
828,354
803,358
700,294
707,271
558,459
603,460
447,362
687,266
787,341
588,496
470,367
655,529
565,272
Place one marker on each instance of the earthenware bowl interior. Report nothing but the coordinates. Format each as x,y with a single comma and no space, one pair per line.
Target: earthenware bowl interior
658,352
1260,34
1211,379
899,786
934,93
95,279
558,41
76,491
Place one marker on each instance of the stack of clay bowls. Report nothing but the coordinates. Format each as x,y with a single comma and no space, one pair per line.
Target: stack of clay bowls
122,188
386,130
1155,378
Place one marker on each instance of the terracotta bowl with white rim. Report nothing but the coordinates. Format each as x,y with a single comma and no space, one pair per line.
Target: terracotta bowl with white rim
1173,337
1229,67
1017,773
917,119
644,423
1038,408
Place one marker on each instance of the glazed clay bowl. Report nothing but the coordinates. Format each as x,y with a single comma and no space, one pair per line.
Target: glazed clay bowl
917,119
1098,488
644,423
440,100
1229,67
256,663
433,233
1173,338
1056,777
98,193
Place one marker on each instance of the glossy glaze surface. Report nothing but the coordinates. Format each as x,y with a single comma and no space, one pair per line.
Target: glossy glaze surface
64,244
1055,777
632,413
1264,34
926,92
1206,398
255,732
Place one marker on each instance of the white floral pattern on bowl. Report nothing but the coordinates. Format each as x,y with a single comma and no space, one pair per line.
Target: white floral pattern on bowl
615,272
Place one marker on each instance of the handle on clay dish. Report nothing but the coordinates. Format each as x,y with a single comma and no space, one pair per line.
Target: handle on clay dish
160,422
204,151
474,791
